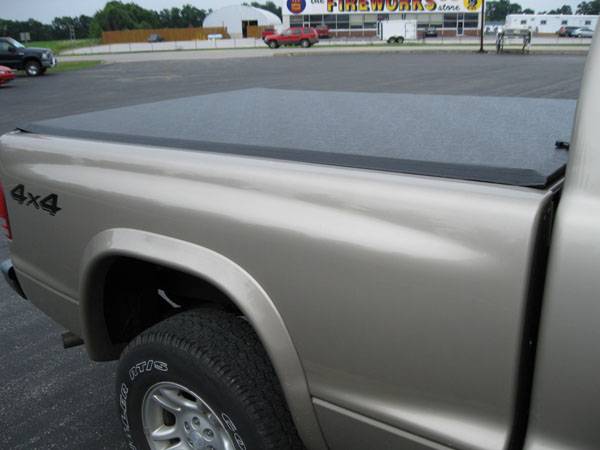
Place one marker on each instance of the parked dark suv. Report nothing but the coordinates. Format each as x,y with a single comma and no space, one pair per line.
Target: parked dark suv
34,61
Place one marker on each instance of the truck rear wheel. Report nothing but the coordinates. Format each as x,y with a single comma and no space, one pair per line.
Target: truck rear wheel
33,68
391,40
201,380
273,44
304,43
400,40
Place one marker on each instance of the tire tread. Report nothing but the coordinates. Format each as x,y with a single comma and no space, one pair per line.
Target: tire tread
229,346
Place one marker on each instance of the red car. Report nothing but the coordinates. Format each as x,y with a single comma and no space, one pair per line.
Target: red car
267,32
304,37
323,31
6,75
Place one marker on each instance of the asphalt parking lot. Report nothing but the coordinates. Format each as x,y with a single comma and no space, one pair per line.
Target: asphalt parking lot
55,398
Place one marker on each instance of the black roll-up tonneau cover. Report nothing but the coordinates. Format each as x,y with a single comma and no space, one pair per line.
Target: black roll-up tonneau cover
490,139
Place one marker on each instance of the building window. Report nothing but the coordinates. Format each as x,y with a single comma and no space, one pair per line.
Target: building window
296,21
564,22
430,20
370,21
471,20
523,22
543,22
588,22
329,21
343,21
450,20
356,21
315,20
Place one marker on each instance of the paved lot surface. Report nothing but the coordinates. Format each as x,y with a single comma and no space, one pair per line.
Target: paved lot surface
57,399
112,85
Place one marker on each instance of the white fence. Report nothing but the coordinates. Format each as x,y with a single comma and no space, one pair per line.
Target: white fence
258,43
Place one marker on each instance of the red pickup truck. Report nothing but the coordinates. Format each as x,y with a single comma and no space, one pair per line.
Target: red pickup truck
304,37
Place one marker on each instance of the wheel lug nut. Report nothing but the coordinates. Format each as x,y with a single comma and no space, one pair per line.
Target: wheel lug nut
196,421
208,433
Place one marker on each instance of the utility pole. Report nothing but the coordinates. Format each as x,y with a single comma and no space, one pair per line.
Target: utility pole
482,32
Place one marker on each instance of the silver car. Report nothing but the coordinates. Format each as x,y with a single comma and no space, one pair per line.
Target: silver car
583,33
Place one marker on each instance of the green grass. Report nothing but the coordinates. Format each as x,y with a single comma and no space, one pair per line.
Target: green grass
60,46
69,66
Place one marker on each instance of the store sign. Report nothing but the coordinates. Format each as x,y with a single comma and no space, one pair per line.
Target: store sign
380,6
296,6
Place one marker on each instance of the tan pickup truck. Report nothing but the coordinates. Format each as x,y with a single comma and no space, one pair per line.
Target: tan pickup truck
389,272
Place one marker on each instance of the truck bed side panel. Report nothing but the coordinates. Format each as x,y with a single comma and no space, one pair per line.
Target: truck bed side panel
404,295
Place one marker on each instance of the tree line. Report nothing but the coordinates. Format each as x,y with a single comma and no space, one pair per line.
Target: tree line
496,11
592,7
129,16
269,6
114,16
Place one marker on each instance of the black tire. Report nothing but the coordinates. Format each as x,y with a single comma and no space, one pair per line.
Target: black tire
400,40
391,40
273,44
33,68
218,357
304,43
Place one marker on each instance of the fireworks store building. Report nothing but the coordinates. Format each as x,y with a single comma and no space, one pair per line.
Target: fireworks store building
358,18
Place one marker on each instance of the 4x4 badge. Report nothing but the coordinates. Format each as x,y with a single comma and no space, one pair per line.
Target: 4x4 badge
49,203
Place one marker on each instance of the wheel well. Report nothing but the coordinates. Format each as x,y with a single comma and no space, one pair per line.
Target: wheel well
137,294
29,59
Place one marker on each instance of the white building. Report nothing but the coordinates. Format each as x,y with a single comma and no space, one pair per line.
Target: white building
549,24
360,17
238,17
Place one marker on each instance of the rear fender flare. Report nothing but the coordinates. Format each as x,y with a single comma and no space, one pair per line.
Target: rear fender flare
213,267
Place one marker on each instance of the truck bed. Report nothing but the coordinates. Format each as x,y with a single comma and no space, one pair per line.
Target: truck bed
490,139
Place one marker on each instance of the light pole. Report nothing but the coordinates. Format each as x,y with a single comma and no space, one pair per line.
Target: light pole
482,32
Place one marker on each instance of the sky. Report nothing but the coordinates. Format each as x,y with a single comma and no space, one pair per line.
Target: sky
46,10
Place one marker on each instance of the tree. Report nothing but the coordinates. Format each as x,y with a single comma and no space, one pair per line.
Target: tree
564,9
115,15
592,7
269,6
192,16
37,30
124,16
61,27
497,11
528,11
176,21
